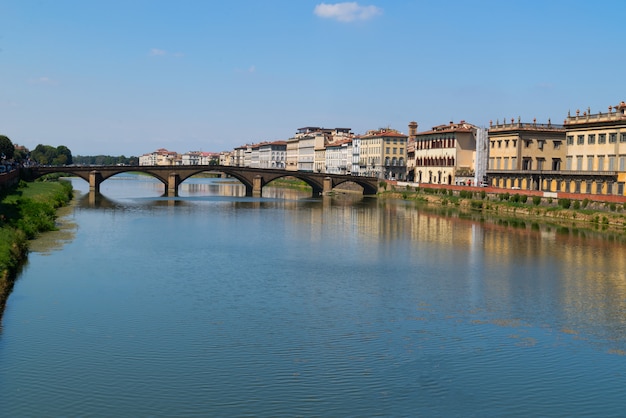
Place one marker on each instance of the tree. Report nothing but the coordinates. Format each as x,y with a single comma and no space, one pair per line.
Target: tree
7,149
48,155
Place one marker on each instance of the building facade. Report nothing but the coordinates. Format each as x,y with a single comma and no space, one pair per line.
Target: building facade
339,157
525,155
443,155
273,154
596,151
383,154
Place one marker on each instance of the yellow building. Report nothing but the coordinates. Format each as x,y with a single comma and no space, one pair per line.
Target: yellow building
527,156
596,151
444,154
383,154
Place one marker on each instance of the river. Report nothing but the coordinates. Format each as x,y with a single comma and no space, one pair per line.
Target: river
217,304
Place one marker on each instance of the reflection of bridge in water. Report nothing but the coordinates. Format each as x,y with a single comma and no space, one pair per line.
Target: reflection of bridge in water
254,179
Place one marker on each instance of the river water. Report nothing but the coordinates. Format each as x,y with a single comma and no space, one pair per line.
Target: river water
217,304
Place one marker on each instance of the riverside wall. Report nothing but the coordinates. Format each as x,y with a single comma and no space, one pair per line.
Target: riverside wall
9,179
603,198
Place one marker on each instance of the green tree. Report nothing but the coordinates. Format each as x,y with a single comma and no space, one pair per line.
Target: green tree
49,155
7,149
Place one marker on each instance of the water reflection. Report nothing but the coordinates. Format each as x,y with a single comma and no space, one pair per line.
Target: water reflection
572,279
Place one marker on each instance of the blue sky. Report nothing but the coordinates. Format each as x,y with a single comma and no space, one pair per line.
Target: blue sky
130,76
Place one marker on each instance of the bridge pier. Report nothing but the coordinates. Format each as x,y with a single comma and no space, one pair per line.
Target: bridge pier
95,178
171,188
257,186
328,186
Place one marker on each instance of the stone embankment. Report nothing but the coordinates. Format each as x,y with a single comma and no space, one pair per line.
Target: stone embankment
592,210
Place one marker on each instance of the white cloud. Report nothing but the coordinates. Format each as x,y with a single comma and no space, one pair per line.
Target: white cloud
43,80
157,52
346,12
249,70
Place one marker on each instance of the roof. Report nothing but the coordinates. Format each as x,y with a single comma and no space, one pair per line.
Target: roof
384,134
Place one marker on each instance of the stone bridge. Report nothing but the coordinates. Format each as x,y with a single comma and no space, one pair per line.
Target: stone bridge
254,179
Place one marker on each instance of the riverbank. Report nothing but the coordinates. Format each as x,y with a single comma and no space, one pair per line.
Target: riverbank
25,211
585,213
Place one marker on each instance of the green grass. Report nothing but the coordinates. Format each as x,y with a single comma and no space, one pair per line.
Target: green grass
26,211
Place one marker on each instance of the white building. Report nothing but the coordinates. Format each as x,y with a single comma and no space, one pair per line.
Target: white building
339,157
273,154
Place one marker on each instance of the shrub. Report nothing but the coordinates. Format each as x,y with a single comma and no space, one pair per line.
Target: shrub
577,204
476,204
536,200
613,207
523,198
565,203
586,202
483,194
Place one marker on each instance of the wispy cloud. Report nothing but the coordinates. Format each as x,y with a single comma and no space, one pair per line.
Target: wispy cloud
251,69
43,80
156,52
346,12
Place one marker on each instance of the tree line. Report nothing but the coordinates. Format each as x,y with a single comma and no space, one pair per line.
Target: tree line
60,155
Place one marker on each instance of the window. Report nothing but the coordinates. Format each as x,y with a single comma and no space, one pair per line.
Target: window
527,164
506,143
395,150
513,163
590,162
600,162
528,142
568,163
491,166
611,162
556,164
602,139
401,150
622,137
591,139
622,163
570,140
540,144
580,140
387,150
540,164
556,144
579,162
612,138
493,144
499,144
514,143
506,163
498,160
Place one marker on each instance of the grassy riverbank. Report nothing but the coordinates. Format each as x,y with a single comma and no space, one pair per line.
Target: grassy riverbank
26,211
598,216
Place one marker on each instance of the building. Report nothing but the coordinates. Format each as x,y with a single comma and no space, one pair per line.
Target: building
273,154
595,161
525,155
339,157
383,154
443,155
160,157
